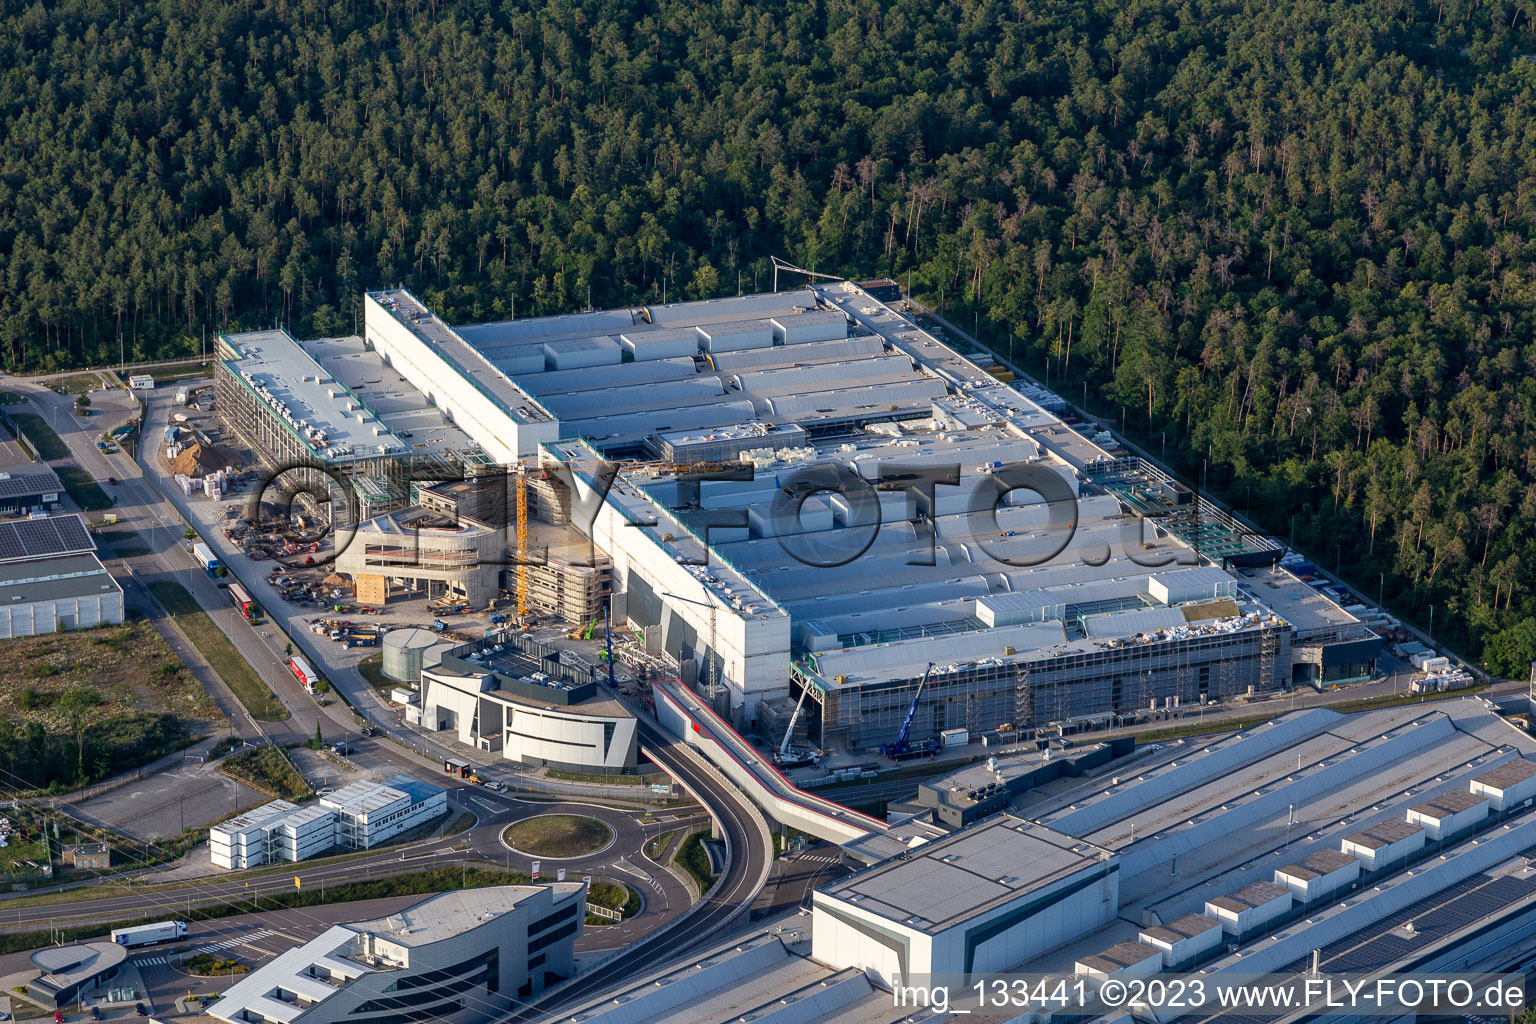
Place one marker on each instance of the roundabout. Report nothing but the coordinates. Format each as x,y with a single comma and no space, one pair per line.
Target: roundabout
559,836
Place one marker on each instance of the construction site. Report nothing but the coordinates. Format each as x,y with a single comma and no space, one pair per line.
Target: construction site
732,483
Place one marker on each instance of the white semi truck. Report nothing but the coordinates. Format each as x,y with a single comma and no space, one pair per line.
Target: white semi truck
149,934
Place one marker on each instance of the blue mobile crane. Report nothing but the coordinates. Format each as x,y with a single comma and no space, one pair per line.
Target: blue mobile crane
900,749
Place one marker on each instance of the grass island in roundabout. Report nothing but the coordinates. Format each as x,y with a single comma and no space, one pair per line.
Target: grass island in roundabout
559,836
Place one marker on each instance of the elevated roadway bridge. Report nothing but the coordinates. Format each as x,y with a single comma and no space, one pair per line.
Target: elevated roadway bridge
691,720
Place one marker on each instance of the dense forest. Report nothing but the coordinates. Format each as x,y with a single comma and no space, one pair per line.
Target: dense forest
1290,237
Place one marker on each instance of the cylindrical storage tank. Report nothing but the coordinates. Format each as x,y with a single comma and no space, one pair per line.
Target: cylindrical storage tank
404,650
433,656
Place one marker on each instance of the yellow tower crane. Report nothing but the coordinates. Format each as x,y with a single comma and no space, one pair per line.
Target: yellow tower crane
522,542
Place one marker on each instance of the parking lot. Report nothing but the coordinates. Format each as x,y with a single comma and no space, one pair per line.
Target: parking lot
194,795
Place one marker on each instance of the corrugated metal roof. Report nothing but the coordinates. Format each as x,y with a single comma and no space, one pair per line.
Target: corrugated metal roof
1508,774
619,401
807,353
638,424
1121,954
878,397
591,378
1384,833
1446,804
784,380
889,660
1132,621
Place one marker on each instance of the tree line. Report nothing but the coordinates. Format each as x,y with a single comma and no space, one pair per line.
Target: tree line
1292,238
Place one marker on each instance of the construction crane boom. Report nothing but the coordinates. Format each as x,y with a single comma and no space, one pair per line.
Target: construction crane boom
788,733
900,745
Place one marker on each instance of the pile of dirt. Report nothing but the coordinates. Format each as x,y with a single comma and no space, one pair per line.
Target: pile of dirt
201,459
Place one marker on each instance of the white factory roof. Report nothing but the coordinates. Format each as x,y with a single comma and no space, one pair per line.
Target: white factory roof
908,658
805,354
455,912
256,817
766,975
305,815
1199,820
393,398
339,949
363,797
751,430
591,378
337,423
455,347
885,378
1510,773
1133,621
942,883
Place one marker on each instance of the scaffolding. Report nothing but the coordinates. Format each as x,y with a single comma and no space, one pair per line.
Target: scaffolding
369,484
568,590
1056,689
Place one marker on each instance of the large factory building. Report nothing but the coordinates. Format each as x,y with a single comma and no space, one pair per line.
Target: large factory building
801,491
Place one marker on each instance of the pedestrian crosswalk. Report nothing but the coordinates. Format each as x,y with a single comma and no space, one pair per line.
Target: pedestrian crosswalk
820,858
238,940
150,961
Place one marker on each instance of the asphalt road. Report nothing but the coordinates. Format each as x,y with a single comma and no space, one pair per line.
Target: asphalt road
746,837
143,506
664,895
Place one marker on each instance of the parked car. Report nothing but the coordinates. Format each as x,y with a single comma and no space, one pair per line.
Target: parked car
495,787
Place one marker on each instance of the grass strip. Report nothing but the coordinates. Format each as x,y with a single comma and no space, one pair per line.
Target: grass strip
85,491
694,859
269,770
40,436
211,642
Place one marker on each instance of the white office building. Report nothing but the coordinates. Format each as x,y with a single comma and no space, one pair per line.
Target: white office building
369,813
244,840
354,817
457,958
305,833
1000,892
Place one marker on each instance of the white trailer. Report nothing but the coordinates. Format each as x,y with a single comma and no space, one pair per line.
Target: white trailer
205,557
149,934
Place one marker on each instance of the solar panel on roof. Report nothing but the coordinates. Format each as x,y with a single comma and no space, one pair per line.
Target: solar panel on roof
34,538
